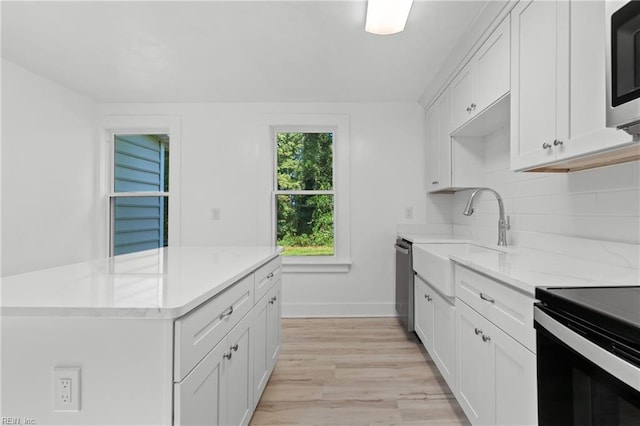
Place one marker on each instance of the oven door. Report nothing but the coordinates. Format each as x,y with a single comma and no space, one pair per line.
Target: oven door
623,63
572,389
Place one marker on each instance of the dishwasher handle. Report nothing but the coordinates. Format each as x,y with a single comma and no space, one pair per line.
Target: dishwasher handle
402,250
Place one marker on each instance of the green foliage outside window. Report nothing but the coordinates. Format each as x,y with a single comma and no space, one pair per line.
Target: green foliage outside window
305,221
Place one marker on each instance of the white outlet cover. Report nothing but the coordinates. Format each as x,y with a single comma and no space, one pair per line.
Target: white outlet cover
66,389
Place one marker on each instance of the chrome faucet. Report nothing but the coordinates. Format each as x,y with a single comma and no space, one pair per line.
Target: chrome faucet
503,224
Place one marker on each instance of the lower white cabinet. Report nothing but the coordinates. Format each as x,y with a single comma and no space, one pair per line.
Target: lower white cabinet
435,325
496,374
225,386
266,347
219,390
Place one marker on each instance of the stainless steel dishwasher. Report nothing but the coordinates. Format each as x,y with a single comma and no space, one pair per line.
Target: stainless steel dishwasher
404,282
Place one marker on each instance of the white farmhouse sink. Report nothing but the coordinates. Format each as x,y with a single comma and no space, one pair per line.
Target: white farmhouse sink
431,262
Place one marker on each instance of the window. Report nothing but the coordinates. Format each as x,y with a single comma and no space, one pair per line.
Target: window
310,189
139,207
304,193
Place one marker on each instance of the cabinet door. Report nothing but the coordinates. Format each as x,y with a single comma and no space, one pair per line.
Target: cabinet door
588,131
200,396
515,381
475,368
463,102
274,316
493,67
444,341
534,91
423,323
260,355
438,122
237,369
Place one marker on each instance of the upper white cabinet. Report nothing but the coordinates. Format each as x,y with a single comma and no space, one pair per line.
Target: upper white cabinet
558,86
485,79
438,122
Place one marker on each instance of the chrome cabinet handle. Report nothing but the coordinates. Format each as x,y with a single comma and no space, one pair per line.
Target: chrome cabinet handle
270,275
227,355
429,299
468,109
233,348
272,300
546,145
485,338
557,142
473,106
435,182
226,314
478,331
487,298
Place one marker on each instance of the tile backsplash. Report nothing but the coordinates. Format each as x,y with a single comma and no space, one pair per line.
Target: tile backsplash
599,204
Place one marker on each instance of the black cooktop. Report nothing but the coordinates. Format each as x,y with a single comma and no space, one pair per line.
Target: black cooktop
615,310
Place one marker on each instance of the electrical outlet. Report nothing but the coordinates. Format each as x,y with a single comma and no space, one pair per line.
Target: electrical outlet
66,389
215,214
408,212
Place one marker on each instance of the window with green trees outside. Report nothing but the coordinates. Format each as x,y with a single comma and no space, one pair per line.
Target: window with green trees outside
305,193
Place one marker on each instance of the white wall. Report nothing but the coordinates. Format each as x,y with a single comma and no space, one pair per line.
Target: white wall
50,211
600,204
226,163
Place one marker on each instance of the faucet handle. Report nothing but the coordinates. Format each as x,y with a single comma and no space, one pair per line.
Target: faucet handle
508,224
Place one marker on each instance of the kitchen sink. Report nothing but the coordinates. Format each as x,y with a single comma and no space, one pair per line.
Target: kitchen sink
432,263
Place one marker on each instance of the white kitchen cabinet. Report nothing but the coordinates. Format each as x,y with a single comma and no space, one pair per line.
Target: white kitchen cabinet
266,347
495,345
237,371
485,79
452,163
496,374
438,123
435,326
558,86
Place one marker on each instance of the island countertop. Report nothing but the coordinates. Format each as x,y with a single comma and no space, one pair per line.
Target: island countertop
162,283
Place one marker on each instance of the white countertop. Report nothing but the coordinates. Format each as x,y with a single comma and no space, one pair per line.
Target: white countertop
526,268
161,283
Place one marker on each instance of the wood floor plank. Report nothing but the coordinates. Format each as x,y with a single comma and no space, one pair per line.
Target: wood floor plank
354,371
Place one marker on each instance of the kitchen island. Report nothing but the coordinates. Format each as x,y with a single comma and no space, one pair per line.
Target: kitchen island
178,335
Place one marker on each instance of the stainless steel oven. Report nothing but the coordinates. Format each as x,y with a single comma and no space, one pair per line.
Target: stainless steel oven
623,64
404,282
588,356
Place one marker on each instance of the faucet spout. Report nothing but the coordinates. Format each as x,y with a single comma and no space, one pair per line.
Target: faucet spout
503,223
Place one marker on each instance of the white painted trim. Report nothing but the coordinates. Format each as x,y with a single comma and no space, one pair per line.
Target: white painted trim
315,264
319,310
145,124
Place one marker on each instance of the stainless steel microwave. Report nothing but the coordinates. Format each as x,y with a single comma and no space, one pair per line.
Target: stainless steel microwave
623,65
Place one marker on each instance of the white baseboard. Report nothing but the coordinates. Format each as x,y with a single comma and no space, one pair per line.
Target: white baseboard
311,310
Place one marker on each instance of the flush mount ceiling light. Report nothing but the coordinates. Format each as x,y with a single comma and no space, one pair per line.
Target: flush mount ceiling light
387,16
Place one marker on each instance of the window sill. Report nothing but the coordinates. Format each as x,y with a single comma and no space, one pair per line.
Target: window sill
298,266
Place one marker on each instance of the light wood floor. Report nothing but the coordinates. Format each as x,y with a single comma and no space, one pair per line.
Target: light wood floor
354,371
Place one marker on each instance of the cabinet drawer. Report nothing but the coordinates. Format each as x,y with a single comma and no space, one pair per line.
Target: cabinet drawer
199,331
507,308
267,276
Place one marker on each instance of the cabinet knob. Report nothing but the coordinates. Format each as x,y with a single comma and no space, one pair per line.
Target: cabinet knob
272,300
557,142
233,348
435,182
227,355
473,106
546,145
270,275
485,338
478,331
468,109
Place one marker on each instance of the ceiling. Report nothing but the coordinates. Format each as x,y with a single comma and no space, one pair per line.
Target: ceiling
231,51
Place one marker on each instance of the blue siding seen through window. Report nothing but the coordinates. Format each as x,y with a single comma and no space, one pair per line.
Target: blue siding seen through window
139,166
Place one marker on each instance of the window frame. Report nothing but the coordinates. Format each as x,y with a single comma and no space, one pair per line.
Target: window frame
141,125
338,125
